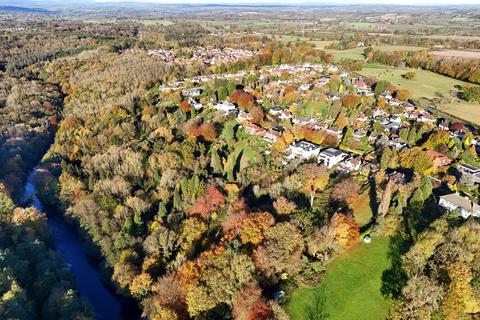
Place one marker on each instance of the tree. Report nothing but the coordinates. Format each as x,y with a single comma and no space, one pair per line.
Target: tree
316,309
280,252
344,231
410,75
347,191
283,206
350,100
381,86
315,178
403,94
415,159
210,201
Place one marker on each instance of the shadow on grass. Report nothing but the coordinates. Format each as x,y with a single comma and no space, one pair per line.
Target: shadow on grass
394,279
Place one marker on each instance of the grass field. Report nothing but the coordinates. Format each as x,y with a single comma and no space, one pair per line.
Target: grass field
319,44
466,111
426,84
357,53
351,285
361,25
362,210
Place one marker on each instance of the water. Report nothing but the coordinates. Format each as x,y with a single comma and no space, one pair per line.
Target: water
105,304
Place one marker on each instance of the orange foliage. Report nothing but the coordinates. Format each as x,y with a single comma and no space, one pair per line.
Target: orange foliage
210,201
350,100
185,106
261,311
345,230
204,131
243,99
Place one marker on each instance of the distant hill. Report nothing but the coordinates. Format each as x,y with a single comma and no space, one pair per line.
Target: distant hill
23,9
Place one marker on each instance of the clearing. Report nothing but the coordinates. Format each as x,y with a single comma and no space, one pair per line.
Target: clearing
426,84
457,53
469,112
357,53
352,285
362,210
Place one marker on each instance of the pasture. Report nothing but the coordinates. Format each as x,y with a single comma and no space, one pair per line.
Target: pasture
351,286
426,84
466,111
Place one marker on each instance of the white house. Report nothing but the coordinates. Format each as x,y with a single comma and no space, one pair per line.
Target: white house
275,111
330,157
455,201
243,116
272,135
303,150
305,87
225,107
351,164
193,92
196,105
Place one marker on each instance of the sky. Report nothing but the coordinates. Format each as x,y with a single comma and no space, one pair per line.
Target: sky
343,2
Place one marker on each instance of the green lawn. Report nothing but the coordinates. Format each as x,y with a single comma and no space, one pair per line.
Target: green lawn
362,211
357,53
426,84
351,285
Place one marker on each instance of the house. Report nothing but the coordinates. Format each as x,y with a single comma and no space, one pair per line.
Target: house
196,105
351,164
444,125
253,129
470,172
285,115
455,201
330,157
305,87
272,135
193,92
243,116
225,107
438,159
275,111
303,150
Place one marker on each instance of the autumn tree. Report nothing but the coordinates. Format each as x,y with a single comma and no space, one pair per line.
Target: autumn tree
280,252
315,178
403,94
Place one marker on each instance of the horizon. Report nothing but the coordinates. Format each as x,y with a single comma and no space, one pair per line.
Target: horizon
248,2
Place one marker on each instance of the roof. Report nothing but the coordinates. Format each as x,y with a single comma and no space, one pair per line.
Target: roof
461,201
469,167
434,154
305,145
331,152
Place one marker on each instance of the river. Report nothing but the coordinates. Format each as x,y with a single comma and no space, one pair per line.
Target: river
105,304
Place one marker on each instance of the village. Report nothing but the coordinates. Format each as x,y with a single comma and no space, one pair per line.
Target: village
207,55
384,119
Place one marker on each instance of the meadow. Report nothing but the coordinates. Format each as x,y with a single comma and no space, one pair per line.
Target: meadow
426,84
351,286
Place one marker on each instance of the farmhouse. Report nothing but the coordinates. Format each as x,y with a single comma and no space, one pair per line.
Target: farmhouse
303,150
330,157
456,201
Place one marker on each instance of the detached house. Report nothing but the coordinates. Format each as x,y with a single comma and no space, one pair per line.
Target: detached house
303,150
438,159
470,172
225,107
456,201
330,157
194,92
